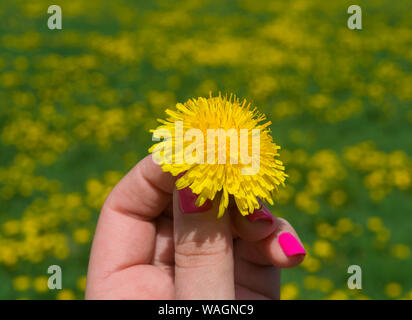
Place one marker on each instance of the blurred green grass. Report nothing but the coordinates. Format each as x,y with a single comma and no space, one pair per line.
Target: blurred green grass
76,106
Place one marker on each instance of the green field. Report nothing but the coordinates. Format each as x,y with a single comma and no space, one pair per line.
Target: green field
76,106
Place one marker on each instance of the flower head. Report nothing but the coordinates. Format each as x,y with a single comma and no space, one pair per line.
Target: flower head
247,170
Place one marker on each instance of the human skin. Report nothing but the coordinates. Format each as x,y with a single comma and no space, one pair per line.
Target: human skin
145,247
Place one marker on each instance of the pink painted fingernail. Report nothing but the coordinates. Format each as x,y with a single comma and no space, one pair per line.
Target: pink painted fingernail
261,214
187,202
290,245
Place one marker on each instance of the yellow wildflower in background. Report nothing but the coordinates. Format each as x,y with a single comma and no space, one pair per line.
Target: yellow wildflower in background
338,295
40,284
21,283
375,224
81,283
207,179
81,235
289,291
393,290
323,249
400,251
65,294
11,227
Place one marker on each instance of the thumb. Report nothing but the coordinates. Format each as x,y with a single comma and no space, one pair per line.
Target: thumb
203,249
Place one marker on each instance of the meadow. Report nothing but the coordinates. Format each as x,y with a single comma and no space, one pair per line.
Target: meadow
77,104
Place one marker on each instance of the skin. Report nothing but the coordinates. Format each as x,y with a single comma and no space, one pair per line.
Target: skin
146,248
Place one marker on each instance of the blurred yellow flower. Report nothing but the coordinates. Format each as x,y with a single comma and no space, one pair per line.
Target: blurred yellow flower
400,251
311,264
11,227
289,291
81,283
306,202
337,198
81,235
323,249
325,230
338,295
344,225
40,284
375,224
401,179
383,235
393,290
65,294
325,285
21,283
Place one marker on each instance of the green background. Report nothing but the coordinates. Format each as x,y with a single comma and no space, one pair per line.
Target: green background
76,105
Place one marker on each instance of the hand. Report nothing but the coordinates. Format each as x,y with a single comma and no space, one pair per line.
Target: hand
145,247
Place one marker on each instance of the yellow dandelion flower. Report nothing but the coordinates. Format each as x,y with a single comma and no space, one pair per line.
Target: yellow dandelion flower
81,283
233,175
21,283
400,251
81,235
375,224
311,264
323,249
289,291
338,295
65,294
40,284
393,290
325,285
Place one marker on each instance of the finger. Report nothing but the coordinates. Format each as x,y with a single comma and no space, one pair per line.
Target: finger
253,227
243,293
203,250
144,192
125,233
256,280
163,255
282,248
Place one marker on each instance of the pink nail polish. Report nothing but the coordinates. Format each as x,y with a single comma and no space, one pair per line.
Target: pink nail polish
187,202
261,214
290,245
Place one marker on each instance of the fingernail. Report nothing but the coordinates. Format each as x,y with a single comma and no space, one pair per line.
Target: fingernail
290,245
187,202
261,214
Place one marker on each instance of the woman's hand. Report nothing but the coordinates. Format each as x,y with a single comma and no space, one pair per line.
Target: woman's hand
152,242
